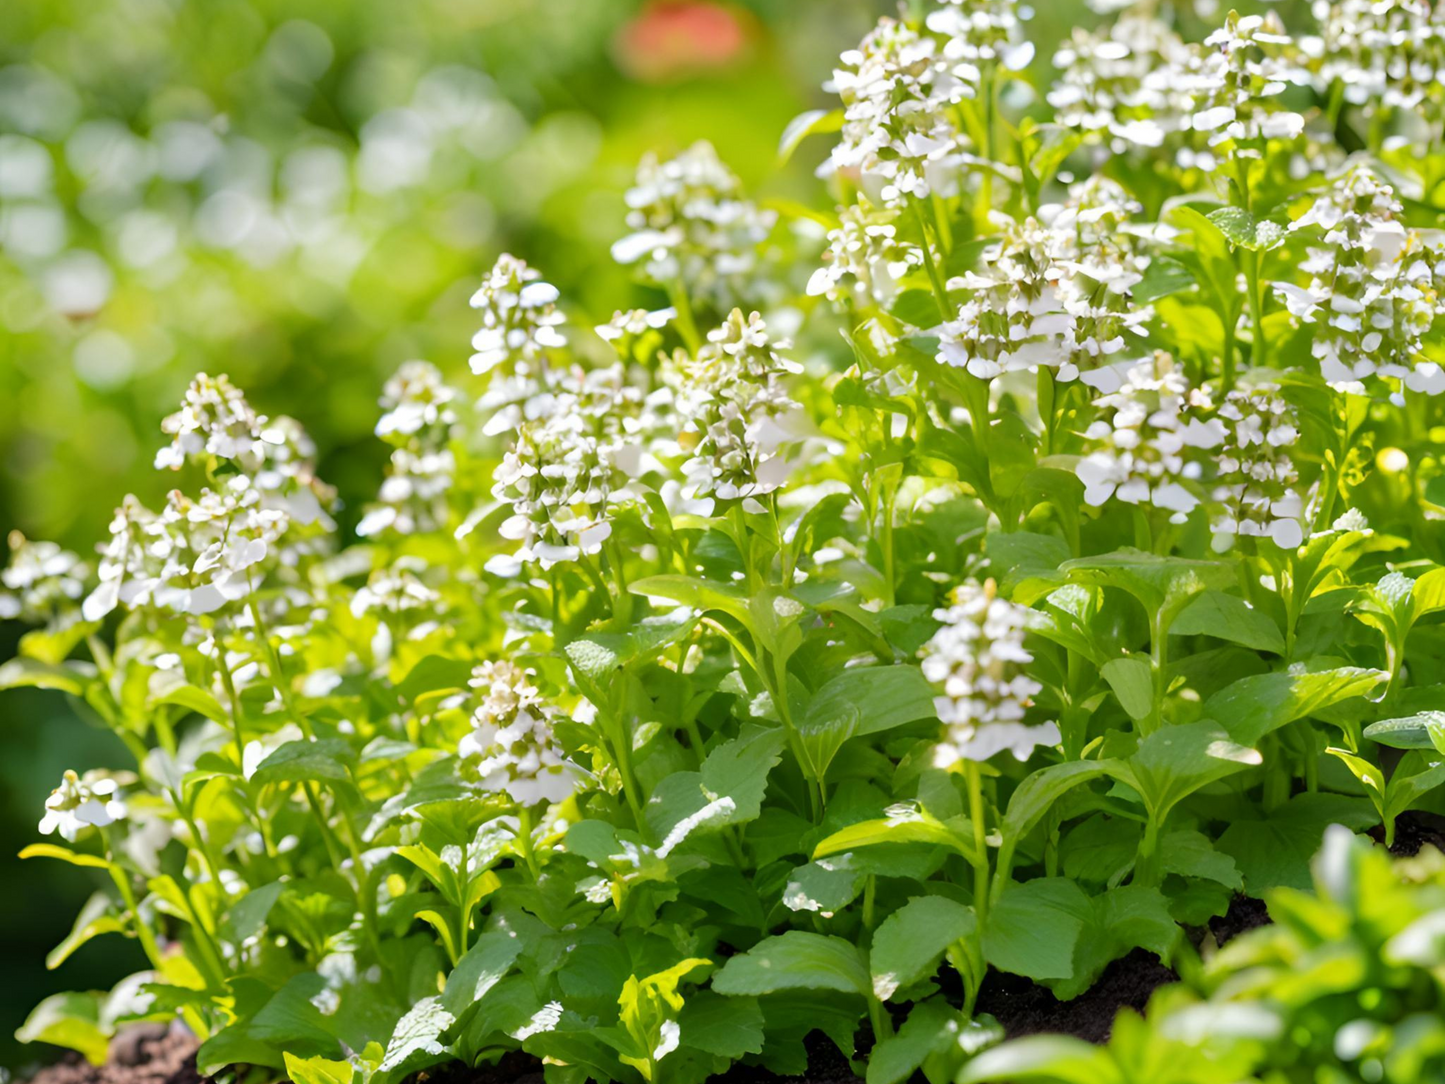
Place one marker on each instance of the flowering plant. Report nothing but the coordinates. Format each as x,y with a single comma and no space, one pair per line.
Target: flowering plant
999,576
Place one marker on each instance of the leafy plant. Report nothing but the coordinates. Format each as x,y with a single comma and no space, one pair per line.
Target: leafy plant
685,691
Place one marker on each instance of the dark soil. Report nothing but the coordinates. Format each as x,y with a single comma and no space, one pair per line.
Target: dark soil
1413,830
514,1068
1245,913
145,1054
1026,1009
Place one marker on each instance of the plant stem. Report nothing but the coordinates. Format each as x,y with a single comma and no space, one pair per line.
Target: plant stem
973,777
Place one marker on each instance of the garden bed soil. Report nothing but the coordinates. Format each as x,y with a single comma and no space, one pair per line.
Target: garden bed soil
1413,831
144,1054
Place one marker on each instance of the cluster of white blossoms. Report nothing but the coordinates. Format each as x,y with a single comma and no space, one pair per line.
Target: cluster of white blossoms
692,226
81,802
1375,290
1231,86
1056,290
901,89
520,321
977,659
197,554
512,740
735,415
42,584
865,259
418,421
1143,438
1108,87
1257,490
1381,53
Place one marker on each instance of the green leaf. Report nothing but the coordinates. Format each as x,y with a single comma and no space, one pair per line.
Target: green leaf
597,654
71,1021
1191,854
192,698
934,1027
75,858
795,960
1020,555
1245,231
247,916
1176,761
1132,680
825,886
909,943
483,965
861,700
1274,850
1039,792
1163,277
417,1039
913,827
697,593
1254,706
1162,585
67,677
324,760
434,673
1226,617
1034,928
317,1070
812,122
727,1027
97,917
1045,1059
1121,919
1408,732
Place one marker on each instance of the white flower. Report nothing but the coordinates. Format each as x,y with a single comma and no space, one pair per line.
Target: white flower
734,414
520,321
692,225
80,803
42,583
214,420
1375,289
1258,487
1143,437
977,660
865,260
397,589
512,738
1386,53
1104,89
418,420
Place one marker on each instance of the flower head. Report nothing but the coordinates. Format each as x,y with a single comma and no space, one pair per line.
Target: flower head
82,802
1143,437
520,320
1258,486
214,420
977,660
42,584
418,420
866,259
735,414
692,225
512,737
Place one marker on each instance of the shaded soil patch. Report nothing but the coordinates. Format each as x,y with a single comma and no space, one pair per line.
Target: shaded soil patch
1026,1009
514,1068
1245,913
145,1054
1413,831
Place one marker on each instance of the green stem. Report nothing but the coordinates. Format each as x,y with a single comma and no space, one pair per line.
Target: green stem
524,841
686,324
940,291
973,777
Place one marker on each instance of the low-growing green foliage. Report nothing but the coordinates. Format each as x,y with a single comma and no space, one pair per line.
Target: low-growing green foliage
685,692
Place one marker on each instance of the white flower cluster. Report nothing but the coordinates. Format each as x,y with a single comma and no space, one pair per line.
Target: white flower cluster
1055,292
1388,53
520,320
692,225
42,584
901,89
397,590
1258,486
865,259
82,802
735,416
418,421
1109,85
516,752
1143,438
977,660
198,554
1375,289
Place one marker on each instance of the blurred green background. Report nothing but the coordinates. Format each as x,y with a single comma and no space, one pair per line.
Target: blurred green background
303,194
